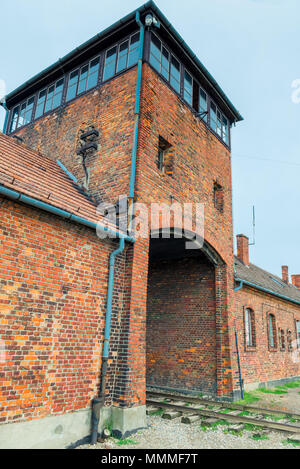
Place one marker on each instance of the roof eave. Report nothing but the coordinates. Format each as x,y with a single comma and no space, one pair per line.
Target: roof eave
266,290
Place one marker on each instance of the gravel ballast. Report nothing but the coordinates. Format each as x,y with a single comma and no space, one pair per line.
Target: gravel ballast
172,434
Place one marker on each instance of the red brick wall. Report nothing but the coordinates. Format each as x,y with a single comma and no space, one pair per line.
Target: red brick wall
53,289
199,161
260,363
181,325
111,110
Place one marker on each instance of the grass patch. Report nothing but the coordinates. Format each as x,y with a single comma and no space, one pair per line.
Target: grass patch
292,385
206,426
290,442
292,420
249,398
249,427
231,431
225,411
272,391
259,437
126,441
244,413
109,426
156,413
274,418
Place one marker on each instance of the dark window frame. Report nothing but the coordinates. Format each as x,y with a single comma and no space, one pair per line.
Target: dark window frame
117,46
47,88
79,69
225,137
19,107
66,77
171,57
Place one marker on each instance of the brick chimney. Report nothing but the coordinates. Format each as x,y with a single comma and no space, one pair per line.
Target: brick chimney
285,273
243,248
296,281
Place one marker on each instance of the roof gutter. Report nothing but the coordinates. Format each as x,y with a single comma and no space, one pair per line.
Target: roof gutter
266,290
240,286
17,196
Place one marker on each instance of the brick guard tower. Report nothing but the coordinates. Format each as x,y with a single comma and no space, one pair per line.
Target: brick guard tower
172,317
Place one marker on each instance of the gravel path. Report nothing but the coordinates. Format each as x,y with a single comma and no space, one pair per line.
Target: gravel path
166,434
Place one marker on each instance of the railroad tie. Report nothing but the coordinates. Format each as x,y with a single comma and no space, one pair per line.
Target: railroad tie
188,419
171,415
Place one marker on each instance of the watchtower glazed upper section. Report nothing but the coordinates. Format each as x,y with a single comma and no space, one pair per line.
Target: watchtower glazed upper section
113,53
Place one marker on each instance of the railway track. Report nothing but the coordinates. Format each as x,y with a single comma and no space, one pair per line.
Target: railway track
190,409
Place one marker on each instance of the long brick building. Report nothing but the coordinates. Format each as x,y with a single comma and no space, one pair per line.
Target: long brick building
87,321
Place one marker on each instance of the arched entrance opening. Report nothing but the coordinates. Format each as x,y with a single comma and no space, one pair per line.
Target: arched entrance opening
182,342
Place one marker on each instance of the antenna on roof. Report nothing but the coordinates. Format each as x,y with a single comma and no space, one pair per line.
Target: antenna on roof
254,226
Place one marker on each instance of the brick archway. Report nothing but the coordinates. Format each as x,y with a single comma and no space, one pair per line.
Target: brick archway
186,327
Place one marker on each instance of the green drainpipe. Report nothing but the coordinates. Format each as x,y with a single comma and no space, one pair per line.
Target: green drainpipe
98,403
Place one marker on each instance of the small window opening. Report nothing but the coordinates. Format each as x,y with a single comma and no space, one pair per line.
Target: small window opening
165,156
218,197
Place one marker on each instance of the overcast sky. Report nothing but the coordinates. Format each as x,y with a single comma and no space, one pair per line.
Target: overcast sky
252,49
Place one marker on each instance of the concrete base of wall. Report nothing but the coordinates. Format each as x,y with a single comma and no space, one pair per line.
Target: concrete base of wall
69,430
270,384
128,421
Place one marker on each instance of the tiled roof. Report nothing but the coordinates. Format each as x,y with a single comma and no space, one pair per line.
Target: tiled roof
263,279
32,174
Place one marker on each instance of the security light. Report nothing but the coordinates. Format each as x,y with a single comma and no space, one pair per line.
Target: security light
149,20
